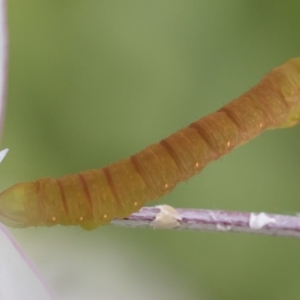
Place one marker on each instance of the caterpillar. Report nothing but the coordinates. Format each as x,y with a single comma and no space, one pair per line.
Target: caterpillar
95,197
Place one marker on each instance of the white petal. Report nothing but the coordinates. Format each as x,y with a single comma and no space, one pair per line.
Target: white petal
3,154
18,277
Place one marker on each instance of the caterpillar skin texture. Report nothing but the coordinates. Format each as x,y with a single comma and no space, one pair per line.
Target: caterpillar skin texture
95,197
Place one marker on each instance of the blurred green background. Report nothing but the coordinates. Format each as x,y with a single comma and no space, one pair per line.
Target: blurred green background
91,82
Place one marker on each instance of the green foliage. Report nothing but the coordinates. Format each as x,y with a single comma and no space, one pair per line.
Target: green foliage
91,82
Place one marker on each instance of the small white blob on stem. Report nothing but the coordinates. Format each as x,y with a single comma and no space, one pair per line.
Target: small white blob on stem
221,227
168,217
258,221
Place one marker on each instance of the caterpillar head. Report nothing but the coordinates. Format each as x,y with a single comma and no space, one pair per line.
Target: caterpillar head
13,210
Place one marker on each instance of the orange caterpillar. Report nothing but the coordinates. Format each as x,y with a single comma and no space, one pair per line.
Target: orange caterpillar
95,197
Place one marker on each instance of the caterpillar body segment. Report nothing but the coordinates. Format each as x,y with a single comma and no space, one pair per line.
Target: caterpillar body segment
95,197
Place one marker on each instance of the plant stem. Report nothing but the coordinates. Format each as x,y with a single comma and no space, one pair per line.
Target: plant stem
220,221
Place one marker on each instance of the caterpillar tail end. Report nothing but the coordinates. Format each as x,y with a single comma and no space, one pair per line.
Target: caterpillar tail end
12,209
291,92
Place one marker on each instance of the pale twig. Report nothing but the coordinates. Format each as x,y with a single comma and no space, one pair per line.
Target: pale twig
220,221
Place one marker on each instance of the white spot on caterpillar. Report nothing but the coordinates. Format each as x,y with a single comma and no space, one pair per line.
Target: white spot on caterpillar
3,154
168,217
260,220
